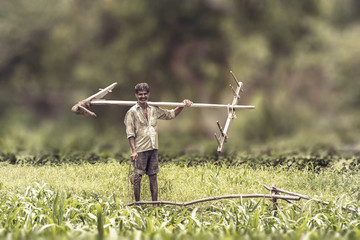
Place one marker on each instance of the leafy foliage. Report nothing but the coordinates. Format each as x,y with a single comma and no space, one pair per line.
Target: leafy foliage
310,159
40,212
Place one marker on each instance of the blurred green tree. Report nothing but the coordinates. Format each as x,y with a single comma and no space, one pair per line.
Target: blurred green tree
291,55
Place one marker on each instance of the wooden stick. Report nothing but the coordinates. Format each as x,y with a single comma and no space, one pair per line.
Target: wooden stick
234,92
217,138
287,192
274,200
102,92
169,104
214,198
220,128
233,75
289,201
231,113
307,198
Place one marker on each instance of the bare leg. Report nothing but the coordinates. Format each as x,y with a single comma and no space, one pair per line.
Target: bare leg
137,185
153,188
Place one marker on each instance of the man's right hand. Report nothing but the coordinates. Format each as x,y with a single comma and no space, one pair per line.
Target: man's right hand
134,156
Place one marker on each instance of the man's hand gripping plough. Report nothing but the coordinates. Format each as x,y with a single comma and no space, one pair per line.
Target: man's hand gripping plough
83,106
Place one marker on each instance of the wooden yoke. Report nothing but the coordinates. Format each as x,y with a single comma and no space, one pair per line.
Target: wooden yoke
221,140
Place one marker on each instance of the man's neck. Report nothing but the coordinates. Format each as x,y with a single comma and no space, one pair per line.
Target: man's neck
143,105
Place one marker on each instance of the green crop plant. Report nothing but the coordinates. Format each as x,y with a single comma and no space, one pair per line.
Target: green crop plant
50,197
40,212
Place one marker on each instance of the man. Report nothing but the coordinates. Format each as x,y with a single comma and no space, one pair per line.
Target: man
141,130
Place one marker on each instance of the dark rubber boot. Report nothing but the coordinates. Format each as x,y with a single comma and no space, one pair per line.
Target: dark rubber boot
137,185
153,188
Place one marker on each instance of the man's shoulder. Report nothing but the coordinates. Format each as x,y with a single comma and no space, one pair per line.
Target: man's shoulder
130,112
133,108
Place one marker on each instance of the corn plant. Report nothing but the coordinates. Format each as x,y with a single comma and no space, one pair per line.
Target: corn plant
42,213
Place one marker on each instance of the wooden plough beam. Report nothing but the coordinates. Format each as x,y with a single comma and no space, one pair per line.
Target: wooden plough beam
274,196
184,204
83,106
275,190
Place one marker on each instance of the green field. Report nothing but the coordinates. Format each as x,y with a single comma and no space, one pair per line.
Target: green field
48,197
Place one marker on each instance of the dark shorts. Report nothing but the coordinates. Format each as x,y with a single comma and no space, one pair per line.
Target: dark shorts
147,163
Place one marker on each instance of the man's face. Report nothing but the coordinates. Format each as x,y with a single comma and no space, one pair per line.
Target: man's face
142,96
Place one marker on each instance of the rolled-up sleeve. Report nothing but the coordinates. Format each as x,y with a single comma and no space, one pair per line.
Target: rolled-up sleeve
130,124
165,114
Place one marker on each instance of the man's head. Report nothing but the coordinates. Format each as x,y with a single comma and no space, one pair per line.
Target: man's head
142,92
142,87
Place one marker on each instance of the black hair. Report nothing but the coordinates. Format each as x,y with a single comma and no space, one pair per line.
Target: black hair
142,87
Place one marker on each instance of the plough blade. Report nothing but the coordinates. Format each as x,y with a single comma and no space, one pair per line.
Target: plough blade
82,107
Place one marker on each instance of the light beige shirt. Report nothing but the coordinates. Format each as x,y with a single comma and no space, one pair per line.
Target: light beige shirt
143,130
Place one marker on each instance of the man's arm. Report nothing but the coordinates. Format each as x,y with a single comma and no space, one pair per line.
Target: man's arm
134,153
130,132
187,103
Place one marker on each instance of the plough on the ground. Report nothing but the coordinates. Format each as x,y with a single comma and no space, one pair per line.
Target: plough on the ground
83,106
274,196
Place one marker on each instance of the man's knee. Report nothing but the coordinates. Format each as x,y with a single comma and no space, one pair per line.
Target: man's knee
153,181
152,177
135,178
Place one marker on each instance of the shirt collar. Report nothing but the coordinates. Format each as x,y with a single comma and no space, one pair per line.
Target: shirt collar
137,105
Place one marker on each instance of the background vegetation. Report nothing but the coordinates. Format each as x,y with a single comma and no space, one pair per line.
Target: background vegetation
298,61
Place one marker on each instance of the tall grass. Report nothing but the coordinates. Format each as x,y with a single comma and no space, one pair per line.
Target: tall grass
87,201
181,183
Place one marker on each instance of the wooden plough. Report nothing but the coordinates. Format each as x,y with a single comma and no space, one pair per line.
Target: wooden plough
274,196
83,106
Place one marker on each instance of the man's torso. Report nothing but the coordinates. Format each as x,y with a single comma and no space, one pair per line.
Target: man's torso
144,129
